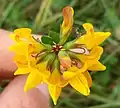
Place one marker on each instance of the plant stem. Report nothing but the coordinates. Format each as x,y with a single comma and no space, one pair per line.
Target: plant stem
100,98
47,8
7,12
39,15
108,105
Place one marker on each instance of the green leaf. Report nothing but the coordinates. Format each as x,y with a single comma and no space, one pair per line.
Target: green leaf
47,40
54,36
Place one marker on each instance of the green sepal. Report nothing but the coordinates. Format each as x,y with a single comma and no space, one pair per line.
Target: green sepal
55,36
51,58
57,64
42,57
69,45
62,53
47,40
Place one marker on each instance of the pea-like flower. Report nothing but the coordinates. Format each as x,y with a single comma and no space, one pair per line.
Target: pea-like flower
61,62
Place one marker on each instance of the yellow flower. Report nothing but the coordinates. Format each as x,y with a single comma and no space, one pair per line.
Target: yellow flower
62,63
91,40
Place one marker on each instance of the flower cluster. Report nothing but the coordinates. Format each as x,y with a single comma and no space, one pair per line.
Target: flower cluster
60,63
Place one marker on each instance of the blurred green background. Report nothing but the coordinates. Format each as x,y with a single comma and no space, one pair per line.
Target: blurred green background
42,15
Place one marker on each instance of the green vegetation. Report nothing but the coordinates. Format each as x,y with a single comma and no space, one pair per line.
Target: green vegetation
44,15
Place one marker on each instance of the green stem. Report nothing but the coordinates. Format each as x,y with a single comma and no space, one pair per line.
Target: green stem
7,12
39,15
44,18
100,98
108,105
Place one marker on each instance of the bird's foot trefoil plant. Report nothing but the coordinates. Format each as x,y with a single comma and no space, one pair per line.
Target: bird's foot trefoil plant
59,62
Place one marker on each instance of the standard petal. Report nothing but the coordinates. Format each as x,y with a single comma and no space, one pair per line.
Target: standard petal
54,92
21,71
88,27
91,38
88,77
34,79
20,48
80,84
86,40
23,33
97,67
100,37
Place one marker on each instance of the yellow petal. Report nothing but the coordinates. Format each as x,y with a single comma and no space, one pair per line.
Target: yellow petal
21,61
80,84
68,20
43,70
23,32
36,47
97,67
88,77
21,71
100,37
63,82
74,71
96,52
55,77
34,79
20,48
88,27
68,75
93,57
13,37
86,40
54,92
